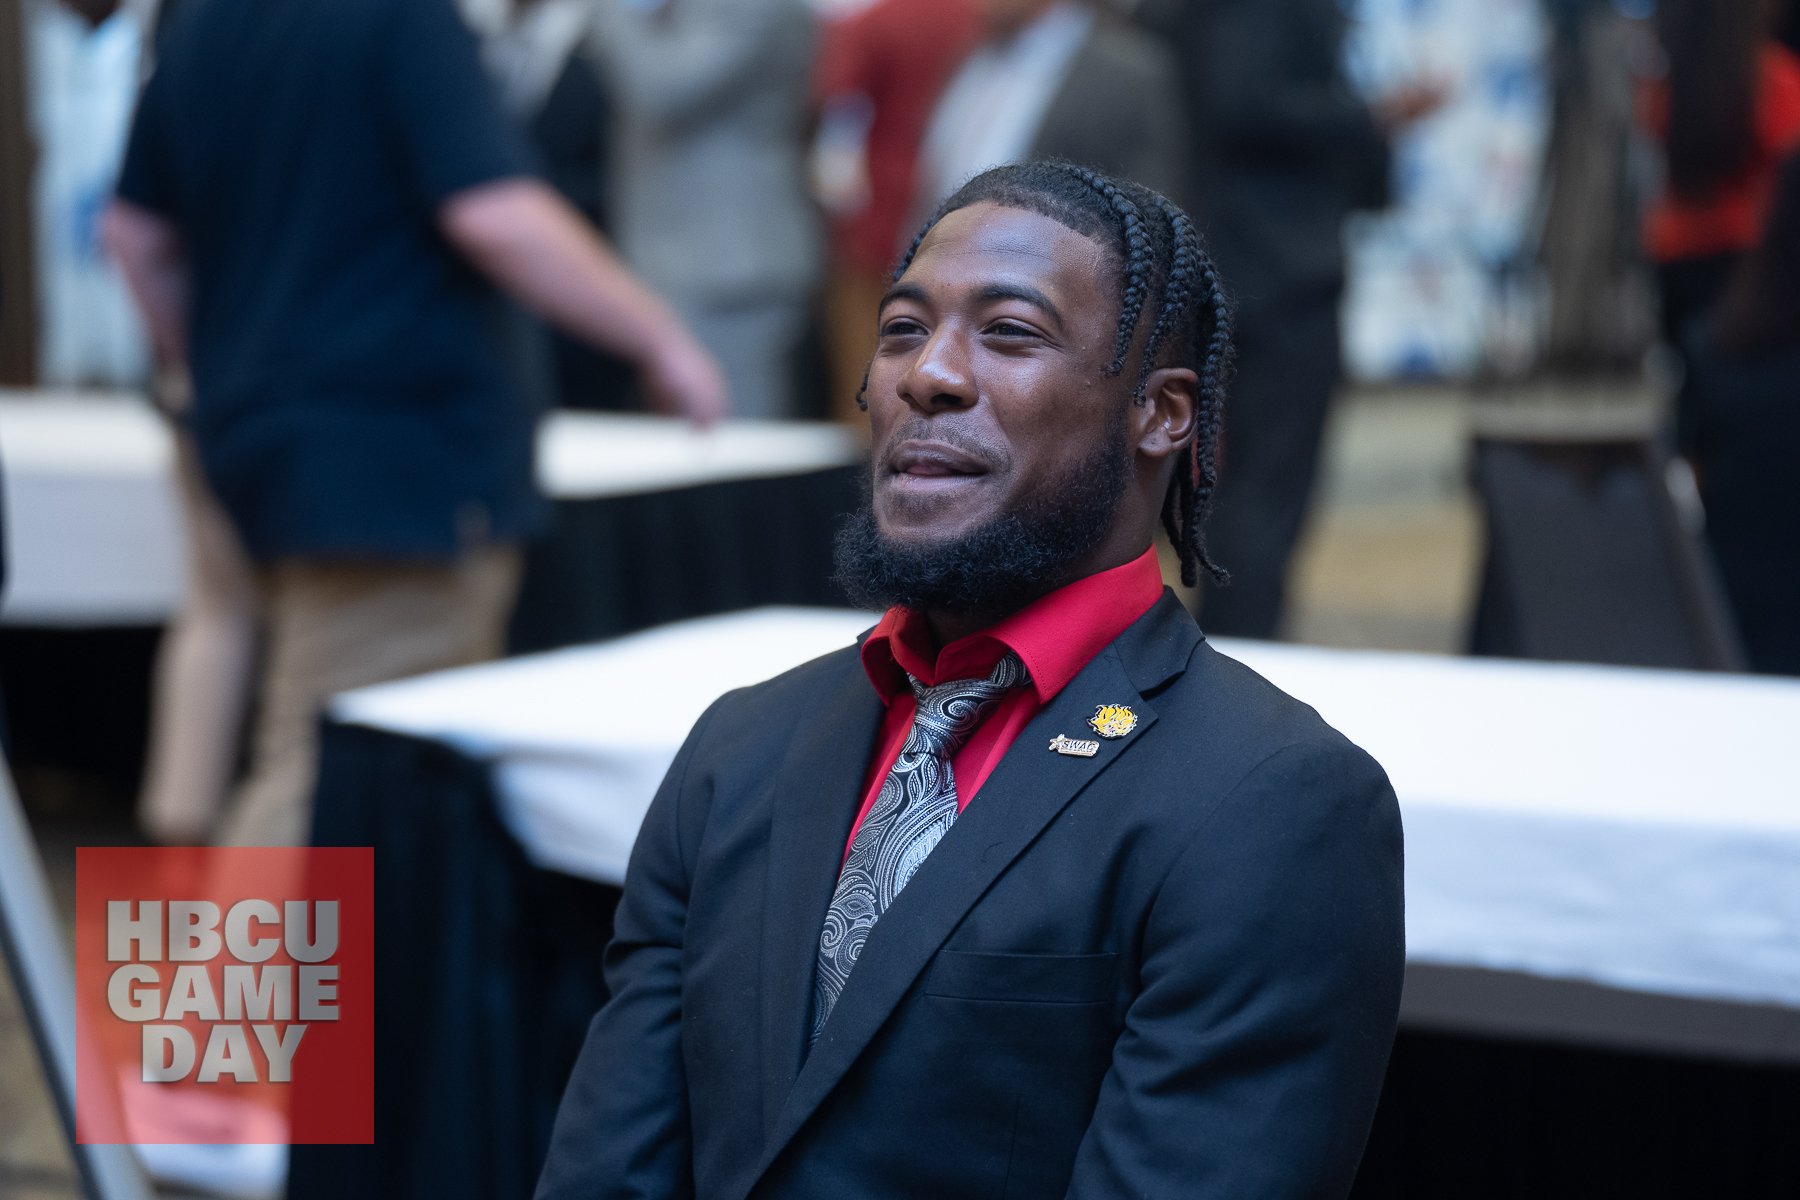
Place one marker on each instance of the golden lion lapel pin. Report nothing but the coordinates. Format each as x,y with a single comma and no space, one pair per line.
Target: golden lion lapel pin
1073,748
1112,720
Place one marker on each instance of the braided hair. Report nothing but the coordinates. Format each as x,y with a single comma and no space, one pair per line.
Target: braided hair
1164,268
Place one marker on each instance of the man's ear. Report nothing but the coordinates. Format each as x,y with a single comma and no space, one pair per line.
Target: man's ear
1163,420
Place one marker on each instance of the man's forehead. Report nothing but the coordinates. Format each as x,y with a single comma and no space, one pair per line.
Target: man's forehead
987,236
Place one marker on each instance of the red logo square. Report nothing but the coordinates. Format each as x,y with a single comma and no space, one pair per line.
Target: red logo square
225,995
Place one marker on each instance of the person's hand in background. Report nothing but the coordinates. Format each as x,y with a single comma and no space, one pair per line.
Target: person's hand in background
537,248
683,379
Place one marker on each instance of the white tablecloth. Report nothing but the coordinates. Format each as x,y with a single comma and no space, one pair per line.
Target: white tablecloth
1634,828
580,738
93,523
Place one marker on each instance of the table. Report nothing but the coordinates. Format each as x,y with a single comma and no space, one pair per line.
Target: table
93,523
654,522
1597,857
94,531
1630,828
580,738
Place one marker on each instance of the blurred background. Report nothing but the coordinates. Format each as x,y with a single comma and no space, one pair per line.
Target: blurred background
1518,288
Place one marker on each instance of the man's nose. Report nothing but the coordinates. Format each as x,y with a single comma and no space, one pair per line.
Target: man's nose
939,378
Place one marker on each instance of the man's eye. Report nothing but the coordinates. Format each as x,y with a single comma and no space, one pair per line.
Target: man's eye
1010,329
901,327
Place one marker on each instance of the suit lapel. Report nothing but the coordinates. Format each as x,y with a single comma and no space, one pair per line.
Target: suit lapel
815,800
1026,791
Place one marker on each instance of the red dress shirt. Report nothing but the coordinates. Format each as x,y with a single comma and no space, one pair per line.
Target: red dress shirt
1732,219
899,53
1054,637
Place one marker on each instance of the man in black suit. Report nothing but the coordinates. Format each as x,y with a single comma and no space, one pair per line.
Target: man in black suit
1159,951
1282,153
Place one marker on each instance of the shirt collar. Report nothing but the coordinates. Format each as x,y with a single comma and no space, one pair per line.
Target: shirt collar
1054,636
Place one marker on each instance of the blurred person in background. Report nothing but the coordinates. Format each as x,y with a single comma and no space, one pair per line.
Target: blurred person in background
1745,368
206,661
556,97
81,62
710,193
313,193
1056,79
880,72
1282,153
1727,111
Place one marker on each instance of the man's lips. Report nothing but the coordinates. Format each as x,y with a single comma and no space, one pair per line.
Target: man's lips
919,461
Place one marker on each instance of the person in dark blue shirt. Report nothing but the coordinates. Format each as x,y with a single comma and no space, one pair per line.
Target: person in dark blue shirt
317,200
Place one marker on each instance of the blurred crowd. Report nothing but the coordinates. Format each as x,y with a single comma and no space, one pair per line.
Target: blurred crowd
333,210
1724,233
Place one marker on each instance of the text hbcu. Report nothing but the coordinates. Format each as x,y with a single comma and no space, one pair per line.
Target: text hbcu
248,993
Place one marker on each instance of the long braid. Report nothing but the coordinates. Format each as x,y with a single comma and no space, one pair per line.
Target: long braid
1195,478
1175,311
1137,256
1178,287
1118,212
1203,470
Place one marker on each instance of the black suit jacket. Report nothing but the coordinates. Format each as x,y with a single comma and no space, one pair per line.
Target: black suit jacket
1282,151
1118,110
1172,969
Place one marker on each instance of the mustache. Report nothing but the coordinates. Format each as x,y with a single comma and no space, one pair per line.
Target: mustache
948,430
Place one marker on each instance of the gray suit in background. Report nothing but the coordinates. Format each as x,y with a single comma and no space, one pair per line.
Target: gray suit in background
1119,111
710,192
1074,84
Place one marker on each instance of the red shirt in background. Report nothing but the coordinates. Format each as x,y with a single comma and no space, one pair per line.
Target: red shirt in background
1674,228
1054,637
900,54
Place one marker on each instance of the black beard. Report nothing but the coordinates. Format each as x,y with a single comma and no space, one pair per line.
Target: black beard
998,567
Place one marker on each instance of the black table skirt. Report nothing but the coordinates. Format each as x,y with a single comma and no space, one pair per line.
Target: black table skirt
488,973
616,565
1488,1119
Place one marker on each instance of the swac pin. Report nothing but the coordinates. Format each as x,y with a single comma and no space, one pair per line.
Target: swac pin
1073,748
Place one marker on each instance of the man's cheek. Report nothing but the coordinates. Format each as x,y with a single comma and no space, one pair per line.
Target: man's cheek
881,398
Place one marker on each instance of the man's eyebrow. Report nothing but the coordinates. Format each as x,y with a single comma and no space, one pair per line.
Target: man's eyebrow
985,295
1019,291
902,291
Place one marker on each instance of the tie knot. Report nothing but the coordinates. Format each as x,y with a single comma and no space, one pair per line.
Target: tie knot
948,712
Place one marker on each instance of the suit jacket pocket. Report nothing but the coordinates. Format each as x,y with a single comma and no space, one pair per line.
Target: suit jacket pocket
1034,978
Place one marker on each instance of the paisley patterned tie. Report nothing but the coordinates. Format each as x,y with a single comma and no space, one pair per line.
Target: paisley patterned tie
916,807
